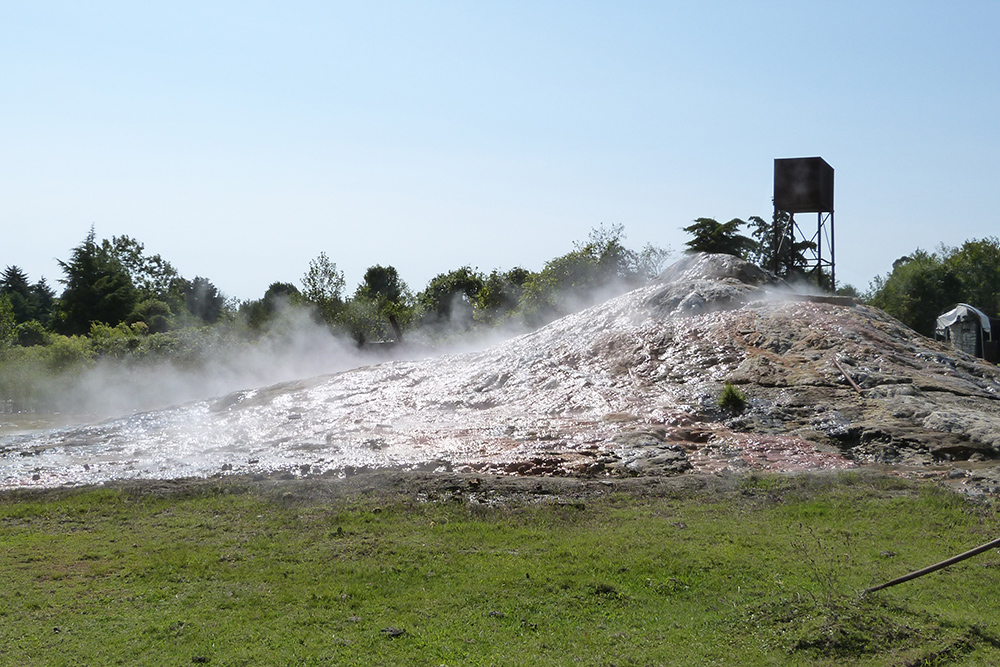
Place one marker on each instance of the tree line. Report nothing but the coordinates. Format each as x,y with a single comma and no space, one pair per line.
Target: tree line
923,285
120,301
123,300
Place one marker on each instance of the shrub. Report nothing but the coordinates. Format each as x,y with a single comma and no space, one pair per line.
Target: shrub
30,333
65,353
732,399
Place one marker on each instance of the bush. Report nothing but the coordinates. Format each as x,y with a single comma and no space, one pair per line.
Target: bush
732,399
154,313
68,353
30,333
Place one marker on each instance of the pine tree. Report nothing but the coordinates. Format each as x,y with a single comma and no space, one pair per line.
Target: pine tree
98,289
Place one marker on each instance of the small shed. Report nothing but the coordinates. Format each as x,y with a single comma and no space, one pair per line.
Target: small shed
970,330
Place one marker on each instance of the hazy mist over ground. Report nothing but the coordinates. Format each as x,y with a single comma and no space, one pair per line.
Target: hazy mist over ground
293,347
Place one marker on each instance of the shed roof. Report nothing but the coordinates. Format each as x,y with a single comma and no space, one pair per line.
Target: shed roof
962,311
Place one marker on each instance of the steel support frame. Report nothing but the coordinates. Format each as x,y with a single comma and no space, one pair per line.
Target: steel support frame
816,264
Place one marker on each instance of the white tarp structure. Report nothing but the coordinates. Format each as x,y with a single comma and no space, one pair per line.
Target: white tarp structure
962,312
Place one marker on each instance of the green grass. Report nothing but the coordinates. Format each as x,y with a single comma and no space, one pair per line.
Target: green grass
768,573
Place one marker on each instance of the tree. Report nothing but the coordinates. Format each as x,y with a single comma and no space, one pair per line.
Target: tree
601,266
382,284
14,285
564,284
258,313
30,333
15,281
201,298
715,237
323,287
651,260
847,289
98,289
8,323
29,302
775,246
919,288
923,285
613,261
381,296
45,299
450,297
976,264
500,294
151,275
154,313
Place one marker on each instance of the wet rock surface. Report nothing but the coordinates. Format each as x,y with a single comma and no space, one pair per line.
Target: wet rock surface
628,388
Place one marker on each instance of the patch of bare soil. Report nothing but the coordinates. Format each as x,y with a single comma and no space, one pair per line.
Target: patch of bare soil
393,485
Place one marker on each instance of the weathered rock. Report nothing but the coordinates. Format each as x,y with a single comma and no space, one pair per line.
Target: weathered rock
702,283
646,452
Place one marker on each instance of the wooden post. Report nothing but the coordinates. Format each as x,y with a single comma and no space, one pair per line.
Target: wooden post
934,568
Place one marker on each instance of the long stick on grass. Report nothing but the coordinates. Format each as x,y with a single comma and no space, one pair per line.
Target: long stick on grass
934,568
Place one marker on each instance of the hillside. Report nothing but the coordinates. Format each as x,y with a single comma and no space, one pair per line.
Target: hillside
627,387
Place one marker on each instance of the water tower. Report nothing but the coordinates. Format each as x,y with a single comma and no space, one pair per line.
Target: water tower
805,185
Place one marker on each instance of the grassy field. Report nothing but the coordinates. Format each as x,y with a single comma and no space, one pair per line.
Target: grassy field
763,571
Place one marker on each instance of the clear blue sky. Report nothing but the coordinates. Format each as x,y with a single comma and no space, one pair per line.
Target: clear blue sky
240,139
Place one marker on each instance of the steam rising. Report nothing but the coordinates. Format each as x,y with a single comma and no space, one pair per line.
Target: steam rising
606,386
299,348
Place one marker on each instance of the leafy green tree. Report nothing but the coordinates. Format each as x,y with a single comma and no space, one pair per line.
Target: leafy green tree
976,264
201,298
848,289
45,299
923,285
499,296
323,287
30,302
559,288
259,313
15,280
151,274
364,321
450,297
280,293
30,333
384,290
650,261
65,353
120,342
277,296
98,289
382,285
601,265
919,288
712,236
611,259
154,313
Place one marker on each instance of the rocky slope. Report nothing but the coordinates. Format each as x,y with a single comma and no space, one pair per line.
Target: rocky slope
628,387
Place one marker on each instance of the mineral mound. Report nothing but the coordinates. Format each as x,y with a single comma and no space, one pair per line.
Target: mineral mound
628,387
